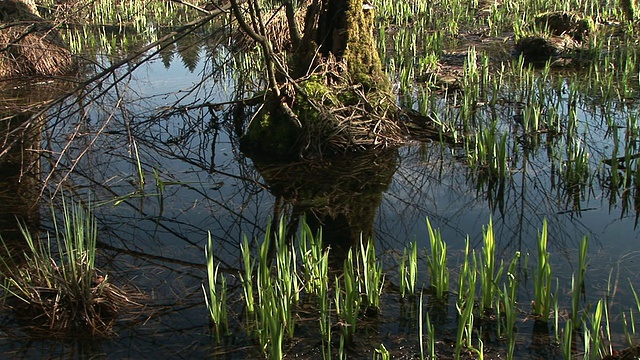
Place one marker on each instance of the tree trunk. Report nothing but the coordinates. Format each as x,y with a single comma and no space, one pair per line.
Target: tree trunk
337,94
345,30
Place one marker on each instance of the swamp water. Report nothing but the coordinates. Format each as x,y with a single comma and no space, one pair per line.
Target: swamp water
162,170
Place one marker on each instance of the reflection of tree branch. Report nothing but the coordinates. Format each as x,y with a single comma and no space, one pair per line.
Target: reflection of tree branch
224,9
169,110
260,39
139,254
144,255
95,80
620,160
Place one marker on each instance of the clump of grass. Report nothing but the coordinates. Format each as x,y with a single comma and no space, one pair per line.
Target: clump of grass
54,286
437,262
277,291
409,270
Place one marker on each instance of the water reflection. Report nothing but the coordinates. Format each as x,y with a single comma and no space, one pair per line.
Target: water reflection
19,166
21,132
341,194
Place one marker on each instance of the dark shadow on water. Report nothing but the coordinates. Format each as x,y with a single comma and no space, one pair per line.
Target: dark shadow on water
340,194
20,145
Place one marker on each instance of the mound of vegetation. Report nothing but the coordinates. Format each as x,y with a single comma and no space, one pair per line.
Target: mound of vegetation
54,288
29,45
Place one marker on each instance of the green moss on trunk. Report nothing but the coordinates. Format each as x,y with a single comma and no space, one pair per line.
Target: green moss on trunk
361,54
270,133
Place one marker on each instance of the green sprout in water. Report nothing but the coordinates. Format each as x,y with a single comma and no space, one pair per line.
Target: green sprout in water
216,296
437,261
409,270
542,279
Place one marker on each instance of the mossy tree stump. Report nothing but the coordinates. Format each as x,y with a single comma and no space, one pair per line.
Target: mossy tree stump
344,104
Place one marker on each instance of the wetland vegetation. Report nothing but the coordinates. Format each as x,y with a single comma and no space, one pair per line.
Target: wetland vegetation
251,179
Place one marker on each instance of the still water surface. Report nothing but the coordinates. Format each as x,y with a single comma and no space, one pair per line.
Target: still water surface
195,179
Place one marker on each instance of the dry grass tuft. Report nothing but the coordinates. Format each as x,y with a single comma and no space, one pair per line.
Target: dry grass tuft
347,118
29,45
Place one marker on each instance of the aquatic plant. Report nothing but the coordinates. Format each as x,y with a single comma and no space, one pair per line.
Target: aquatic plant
277,294
511,313
348,303
508,296
215,295
431,344
53,285
567,340
542,279
466,300
437,262
246,277
593,340
629,321
409,270
325,309
370,275
314,260
341,304
381,353
577,284
487,152
490,272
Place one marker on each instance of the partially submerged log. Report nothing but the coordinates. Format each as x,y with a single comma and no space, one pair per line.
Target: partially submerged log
30,45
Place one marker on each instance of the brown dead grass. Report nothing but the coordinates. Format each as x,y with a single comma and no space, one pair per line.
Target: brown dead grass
29,45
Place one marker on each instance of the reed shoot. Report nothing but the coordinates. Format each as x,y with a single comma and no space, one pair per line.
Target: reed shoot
490,272
437,262
215,297
542,279
409,270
